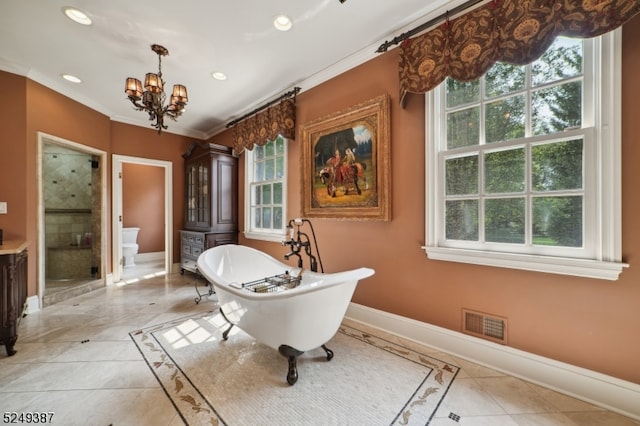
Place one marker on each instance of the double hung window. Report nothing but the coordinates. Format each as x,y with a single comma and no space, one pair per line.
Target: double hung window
522,166
265,192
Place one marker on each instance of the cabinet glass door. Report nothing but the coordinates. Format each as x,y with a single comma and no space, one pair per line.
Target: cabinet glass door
192,194
204,196
198,215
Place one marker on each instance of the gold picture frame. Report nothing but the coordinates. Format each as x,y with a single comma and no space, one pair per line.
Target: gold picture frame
346,163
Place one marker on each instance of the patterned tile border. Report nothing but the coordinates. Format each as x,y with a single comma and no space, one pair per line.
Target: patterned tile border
427,398
195,409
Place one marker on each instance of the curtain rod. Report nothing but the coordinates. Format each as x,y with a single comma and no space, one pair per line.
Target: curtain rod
289,94
402,37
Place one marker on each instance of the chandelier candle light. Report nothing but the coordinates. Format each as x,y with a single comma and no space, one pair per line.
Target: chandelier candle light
153,97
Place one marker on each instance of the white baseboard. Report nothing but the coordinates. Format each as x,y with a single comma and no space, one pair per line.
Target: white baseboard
598,389
33,304
149,257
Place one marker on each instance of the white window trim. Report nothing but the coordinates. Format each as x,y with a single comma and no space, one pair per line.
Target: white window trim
606,264
248,176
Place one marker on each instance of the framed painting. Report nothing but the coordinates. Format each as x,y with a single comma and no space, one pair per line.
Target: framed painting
346,163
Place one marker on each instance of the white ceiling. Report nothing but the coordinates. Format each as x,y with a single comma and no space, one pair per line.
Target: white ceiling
236,37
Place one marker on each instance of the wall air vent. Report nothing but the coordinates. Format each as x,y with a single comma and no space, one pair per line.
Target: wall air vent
485,326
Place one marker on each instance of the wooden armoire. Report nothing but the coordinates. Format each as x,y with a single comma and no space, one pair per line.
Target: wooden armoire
211,201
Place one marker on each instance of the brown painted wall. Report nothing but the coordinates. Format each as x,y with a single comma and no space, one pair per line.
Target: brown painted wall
143,204
146,143
36,108
13,155
53,114
585,322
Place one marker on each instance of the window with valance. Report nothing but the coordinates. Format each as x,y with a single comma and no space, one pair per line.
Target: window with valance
266,125
508,185
511,31
264,136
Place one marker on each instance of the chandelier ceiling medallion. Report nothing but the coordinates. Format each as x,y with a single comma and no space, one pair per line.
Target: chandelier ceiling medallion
152,99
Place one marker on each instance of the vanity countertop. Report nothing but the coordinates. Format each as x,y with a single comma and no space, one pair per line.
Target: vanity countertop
13,246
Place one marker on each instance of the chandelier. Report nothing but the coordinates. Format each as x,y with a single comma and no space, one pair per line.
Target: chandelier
152,99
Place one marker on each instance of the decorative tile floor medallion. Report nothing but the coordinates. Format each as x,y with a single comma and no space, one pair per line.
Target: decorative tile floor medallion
370,380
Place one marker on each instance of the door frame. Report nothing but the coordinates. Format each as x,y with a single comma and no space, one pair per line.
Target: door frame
44,138
116,209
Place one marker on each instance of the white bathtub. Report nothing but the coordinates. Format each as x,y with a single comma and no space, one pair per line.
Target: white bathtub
292,320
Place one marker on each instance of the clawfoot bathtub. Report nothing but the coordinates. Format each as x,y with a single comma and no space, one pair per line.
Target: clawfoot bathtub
291,320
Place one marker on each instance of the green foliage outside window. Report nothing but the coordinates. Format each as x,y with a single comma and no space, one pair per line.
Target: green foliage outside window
267,195
524,190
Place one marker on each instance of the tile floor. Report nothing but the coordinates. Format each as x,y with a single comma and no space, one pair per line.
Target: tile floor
75,359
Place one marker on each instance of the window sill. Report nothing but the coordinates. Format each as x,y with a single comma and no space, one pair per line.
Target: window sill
277,238
555,265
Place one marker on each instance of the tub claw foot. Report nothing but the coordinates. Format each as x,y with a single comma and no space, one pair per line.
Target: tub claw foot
292,355
328,351
292,374
225,334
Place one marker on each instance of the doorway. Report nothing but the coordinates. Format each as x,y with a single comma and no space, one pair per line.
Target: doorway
122,219
71,219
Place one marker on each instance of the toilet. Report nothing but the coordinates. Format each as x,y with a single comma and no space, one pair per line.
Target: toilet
129,246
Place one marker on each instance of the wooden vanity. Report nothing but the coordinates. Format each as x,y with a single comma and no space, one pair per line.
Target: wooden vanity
13,290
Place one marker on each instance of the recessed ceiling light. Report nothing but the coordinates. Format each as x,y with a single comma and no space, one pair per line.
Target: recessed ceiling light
282,23
71,78
219,75
76,15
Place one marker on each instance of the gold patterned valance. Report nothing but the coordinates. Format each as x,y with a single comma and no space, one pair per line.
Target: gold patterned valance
513,31
266,125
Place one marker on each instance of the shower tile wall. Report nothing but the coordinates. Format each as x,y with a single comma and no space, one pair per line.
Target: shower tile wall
67,192
63,228
67,179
